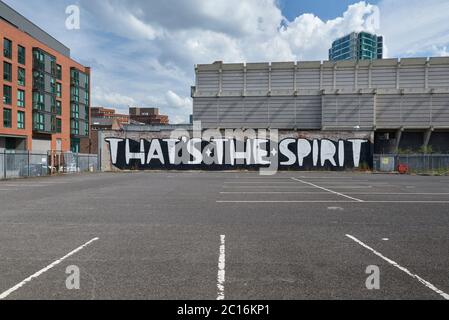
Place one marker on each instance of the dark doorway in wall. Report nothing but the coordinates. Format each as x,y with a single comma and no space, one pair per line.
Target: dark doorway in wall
439,142
411,141
384,142
18,144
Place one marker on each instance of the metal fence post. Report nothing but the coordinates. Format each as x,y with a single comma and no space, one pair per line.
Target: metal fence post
29,165
4,164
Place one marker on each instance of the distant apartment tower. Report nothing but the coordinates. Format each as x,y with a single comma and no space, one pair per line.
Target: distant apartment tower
46,94
147,116
357,46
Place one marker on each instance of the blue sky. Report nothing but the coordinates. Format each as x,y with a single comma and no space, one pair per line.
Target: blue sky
143,52
325,9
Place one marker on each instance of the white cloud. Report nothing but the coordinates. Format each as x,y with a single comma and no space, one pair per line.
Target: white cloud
233,17
179,119
104,96
414,27
118,18
173,100
143,52
440,51
309,38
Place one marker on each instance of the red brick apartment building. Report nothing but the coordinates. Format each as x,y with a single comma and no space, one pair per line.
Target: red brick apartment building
46,94
106,113
148,116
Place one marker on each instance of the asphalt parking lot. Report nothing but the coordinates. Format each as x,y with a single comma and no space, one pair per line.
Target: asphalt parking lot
225,235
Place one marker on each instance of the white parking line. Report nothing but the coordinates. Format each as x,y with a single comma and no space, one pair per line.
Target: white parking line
221,269
331,191
415,276
40,272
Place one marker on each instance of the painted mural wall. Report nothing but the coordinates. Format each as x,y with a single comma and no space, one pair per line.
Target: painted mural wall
287,151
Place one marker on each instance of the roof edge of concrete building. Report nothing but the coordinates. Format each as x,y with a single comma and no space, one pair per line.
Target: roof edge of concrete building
306,64
384,96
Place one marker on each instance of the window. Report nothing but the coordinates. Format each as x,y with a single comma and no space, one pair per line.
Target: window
58,125
75,127
75,110
58,90
53,104
6,95
38,81
38,101
54,68
39,60
53,86
75,77
20,120
75,94
53,124
21,98
21,57
75,145
21,77
86,98
86,128
7,68
58,108
7,121
7,48
58,72
39,121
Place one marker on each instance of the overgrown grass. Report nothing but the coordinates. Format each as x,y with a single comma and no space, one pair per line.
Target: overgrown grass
431,172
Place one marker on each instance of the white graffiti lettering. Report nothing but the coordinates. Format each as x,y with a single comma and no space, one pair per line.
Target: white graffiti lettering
290,152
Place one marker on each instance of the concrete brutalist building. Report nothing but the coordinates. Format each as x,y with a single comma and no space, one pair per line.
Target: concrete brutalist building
403,104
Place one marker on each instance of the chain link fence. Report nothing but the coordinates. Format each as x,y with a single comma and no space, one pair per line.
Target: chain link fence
417,163
21,164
